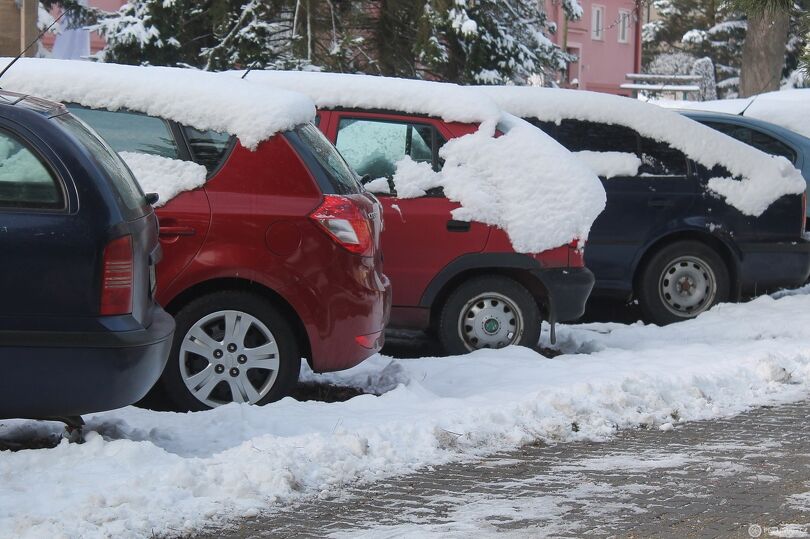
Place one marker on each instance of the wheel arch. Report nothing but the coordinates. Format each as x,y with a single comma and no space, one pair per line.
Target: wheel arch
243,285
727,252
511,265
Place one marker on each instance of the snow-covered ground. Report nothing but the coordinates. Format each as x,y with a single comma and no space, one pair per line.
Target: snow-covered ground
142,473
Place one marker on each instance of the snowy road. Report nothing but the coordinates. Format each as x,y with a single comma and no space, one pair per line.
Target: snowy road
142,472
703,479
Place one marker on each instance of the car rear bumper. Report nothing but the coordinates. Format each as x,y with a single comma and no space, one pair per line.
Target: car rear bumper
68,374
568,290
353,339
769,266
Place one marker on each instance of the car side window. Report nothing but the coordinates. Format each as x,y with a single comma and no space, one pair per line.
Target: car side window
130,131
373,147
578,136
660,159
25,181
208,148
757,139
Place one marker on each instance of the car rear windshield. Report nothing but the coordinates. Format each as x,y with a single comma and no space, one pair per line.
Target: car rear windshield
324,161
131,198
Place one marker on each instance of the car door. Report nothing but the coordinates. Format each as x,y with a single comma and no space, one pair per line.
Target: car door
185,219
47,256
420,237
641,205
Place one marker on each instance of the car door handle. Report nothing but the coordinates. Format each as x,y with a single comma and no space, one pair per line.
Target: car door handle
661,202
177,231
458,226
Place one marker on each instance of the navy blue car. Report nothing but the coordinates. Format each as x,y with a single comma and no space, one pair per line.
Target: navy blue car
80,331
663,242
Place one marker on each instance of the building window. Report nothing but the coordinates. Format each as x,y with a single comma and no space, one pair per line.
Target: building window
624,25
598,23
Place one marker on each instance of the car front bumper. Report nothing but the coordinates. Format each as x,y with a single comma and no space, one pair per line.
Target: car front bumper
51,374
568,290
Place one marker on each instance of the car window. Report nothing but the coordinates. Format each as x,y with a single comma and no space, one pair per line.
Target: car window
373,147
25,181
757,139
659,159
326,160
208,148
130,131
578,136
131,197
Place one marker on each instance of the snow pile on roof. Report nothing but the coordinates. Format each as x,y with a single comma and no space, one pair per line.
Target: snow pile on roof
153,171
450,102
196,98
610,164
763,178
522,182
787,108
143,473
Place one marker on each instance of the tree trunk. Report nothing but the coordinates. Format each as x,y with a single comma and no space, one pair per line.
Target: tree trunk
764,53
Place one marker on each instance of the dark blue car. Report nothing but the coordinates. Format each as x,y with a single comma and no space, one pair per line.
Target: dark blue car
664,242
80,331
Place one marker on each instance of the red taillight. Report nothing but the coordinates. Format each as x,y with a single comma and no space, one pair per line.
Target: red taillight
342,219
117,277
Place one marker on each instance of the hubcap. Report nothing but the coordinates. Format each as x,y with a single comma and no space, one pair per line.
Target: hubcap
229,356
490,320
687,286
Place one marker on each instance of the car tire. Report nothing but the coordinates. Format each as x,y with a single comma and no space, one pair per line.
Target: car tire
489,312
682,280
218,367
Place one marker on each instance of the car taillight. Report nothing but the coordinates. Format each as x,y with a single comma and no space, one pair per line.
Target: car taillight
343,221
117,277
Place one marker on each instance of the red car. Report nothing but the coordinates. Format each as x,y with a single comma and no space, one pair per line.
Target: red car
461,280
276,257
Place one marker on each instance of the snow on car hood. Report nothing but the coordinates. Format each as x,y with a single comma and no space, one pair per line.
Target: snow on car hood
199,99
450,102
152,172
513,182
758,179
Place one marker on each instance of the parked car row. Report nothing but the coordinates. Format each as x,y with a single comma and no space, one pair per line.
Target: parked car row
273,249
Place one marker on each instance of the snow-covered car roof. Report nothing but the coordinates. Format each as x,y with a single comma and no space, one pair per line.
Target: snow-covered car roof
198,99
450,102
787,108
759,179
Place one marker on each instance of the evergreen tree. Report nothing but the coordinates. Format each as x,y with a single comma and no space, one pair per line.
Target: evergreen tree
489,41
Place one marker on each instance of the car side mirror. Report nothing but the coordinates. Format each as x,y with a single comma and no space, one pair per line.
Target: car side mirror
152,198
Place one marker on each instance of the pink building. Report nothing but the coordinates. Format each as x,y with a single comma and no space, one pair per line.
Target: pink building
607,41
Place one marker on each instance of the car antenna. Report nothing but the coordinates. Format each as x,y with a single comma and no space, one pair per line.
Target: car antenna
36,39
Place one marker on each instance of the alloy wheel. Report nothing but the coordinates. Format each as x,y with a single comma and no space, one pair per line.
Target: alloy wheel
229,356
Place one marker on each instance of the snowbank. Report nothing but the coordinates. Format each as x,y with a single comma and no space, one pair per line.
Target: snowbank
787,108
196,98
152,172
611,164
758,179
142,473
450,102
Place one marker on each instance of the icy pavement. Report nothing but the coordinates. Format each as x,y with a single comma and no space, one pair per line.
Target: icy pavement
143,473
717,478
